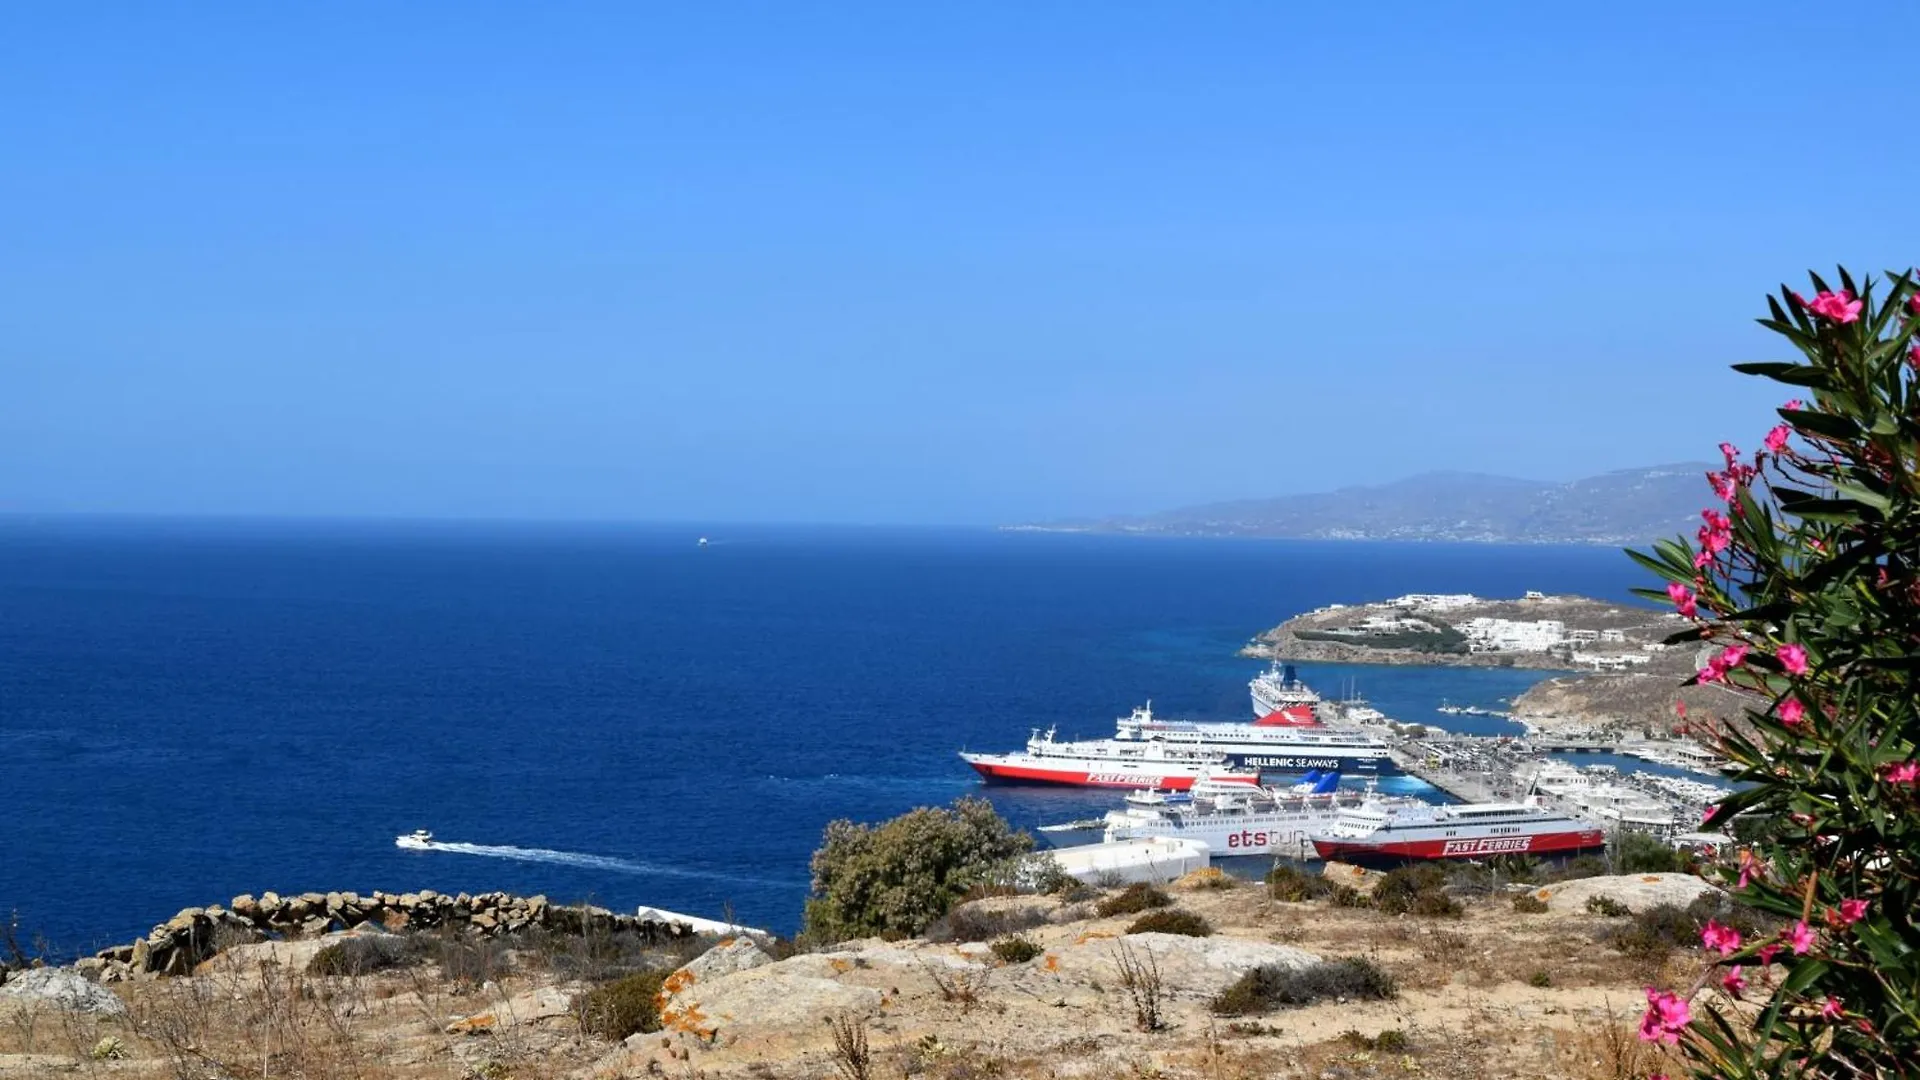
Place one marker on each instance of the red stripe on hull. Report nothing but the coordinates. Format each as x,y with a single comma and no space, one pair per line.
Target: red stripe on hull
1475,847
1021,774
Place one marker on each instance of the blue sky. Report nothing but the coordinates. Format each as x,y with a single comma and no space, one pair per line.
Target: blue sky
906,263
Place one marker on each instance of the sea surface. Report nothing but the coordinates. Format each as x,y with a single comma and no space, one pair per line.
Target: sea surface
192,710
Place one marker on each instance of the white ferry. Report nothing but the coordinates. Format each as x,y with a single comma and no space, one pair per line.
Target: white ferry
1277,743
1394,834
1108,763
1237,819
1279,690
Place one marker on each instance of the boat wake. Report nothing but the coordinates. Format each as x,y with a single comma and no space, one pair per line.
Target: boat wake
588,862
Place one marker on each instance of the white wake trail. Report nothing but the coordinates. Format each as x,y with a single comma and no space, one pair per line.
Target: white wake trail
590,862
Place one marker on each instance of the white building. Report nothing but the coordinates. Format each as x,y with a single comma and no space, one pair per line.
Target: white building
1617,637
1434,601
1510,635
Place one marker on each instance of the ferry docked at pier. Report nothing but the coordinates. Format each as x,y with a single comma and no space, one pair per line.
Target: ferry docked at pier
1238,819
1107,763
1279,690
1279,742
1374,834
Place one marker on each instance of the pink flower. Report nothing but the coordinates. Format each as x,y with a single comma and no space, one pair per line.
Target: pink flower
1683,599
1667,1016
1724,485
1831,1010
1731,453
1767,953
1794,405
1777,438
1750,867
1913,355
1913,303
1800,937
1733,981
1851,911
1717,533
1706,815
1701,559
1906,772
1730,657
1724,939
1794,659
1839,307
1792,713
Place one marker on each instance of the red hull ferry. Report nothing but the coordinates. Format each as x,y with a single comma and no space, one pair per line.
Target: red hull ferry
1375,834
1105,763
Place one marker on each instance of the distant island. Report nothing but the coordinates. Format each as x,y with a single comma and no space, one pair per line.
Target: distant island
1618,673
1625,507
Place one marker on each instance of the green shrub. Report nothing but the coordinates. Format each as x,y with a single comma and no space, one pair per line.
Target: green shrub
1655,932
1016,949
977,922
1528,904
1607,906
1418,888
622,1007
896,878
1171,921
1390,1041
1346,896
1293,885
363,955
1581,866
1638,853
1272,987
1540,979
1133,900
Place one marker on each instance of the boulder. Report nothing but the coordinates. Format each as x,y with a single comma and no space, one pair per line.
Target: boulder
543,1003
63,989
726,958
1637,892
767,998
1189,966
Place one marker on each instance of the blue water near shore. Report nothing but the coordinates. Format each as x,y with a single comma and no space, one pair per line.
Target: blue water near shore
191,710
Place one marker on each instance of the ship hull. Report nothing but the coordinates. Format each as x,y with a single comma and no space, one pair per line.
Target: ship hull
1076,776
1425,848
1276,759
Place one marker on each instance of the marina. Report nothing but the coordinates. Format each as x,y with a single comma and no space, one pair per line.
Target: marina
1240,792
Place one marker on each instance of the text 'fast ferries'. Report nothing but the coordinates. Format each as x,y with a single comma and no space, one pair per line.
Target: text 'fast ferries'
1490,845
1128,779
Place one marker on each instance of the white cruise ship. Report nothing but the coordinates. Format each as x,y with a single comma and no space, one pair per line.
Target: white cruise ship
1279,690
1277,743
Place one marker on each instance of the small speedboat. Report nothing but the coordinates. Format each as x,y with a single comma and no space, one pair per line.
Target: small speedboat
418,838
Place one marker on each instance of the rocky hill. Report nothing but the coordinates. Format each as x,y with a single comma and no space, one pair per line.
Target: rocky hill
1477,989
1629,506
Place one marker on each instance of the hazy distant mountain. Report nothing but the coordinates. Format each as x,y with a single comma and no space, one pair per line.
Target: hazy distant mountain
1633,505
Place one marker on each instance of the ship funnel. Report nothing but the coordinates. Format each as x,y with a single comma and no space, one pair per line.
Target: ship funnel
1287,676
1327,783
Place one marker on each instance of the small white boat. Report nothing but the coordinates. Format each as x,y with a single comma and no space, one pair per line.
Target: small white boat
418,838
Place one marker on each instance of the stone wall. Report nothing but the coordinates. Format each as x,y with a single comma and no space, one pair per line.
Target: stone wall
177,946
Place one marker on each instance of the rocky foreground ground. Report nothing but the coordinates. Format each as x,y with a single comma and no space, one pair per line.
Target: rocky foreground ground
1493,992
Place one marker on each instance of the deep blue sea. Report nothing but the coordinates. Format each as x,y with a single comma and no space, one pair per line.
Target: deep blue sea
190,710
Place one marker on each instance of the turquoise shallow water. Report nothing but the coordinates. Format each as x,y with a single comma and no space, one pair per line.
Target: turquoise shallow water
193,710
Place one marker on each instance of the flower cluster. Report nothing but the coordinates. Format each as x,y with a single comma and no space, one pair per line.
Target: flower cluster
1667,1015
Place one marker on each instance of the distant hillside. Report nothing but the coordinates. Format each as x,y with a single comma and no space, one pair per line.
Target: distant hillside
1633,505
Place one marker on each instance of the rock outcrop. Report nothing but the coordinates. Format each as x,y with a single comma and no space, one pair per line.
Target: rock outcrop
195,935
63,988
1637,892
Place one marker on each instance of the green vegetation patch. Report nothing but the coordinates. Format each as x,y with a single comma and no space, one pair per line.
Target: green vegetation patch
1265,989
1171,921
